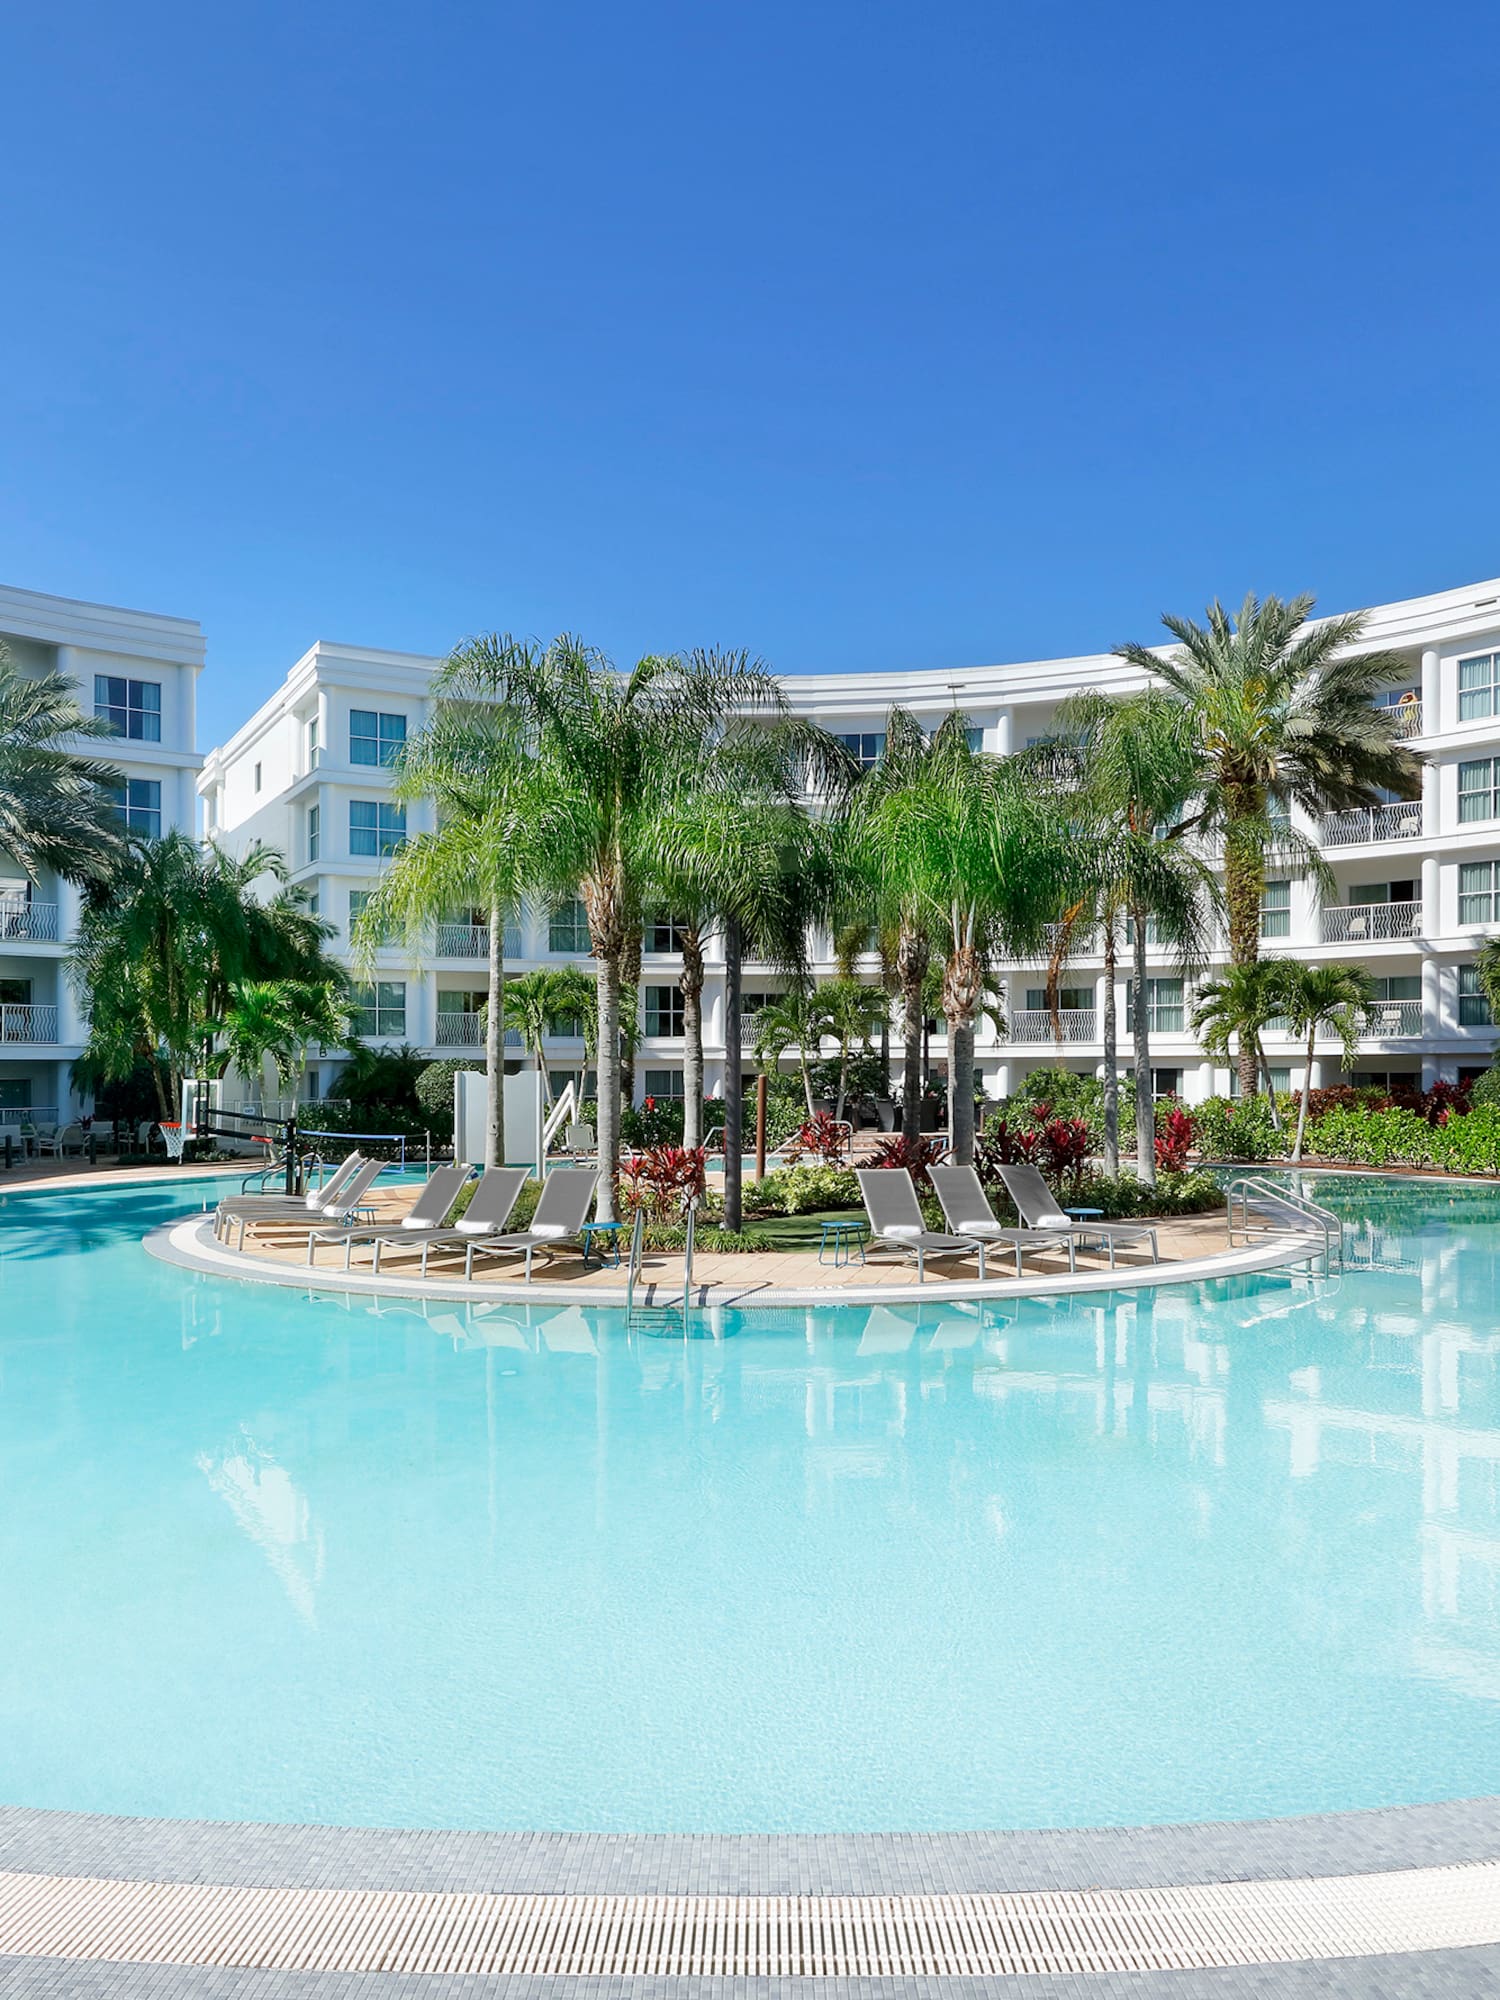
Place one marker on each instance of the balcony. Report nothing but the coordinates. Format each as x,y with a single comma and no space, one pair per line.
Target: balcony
27,1022
1035,1024
1370,923
460,1031
1401,821
1388,1019
1080,943
473,941
1408,716
14,1116
19,918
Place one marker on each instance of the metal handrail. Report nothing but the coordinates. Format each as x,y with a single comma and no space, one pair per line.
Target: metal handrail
637,1245
687,1259
1245,1188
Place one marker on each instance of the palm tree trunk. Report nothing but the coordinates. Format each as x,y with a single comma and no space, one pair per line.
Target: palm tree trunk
1145,1109
691,984
1306,1093
961,1091
494,1045
1111,1056
734,1098
843,1091
1244,872
911,969
630,982
609,1086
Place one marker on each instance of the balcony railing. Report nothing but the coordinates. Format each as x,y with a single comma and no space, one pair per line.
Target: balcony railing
473,941
17,1115
460,1031
20,919
1035,1024
1401,821
1080,943
1370,923
1408,716
1387,1018
26,1022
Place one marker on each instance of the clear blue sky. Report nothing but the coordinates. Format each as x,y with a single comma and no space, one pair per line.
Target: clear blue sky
860,335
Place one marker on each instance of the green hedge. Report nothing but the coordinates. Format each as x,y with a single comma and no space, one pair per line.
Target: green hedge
1469,1143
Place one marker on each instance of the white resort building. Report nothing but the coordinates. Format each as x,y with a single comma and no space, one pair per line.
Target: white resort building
1417,885
139,671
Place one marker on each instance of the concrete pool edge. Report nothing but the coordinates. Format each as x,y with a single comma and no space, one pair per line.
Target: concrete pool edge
189,1244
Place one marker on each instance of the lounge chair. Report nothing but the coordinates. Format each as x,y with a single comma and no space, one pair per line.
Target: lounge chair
579,1142
896,1221
330,1204
560,1214
1037,1207
251,1205
488,1212
966,1209
427,1213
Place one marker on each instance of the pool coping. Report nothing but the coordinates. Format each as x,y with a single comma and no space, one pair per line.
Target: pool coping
190,1245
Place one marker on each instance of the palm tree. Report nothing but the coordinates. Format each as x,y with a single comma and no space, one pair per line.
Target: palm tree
279,1020
57,806
1280,712
851,1014
1324,996
472,760
162,945
613,753
531,1006
1129,773
794,1020
1237,1009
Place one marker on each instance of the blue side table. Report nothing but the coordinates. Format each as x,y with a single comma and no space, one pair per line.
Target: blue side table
1086,1215
611,1232
845,1237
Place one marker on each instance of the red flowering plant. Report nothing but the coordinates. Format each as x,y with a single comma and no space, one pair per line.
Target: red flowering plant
1174,1135
918,1156
663,1180
821,1136
1065,1150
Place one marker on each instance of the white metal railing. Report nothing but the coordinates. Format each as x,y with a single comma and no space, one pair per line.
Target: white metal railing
1401,821
1259,1206
563,1113
27,1114
22,919
460,1031
27,1022
1035,1024
473,941
1369,923
1394,1017
1080,941
1408,714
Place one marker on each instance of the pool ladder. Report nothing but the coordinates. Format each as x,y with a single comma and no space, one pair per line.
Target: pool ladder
673,1317
1259,1206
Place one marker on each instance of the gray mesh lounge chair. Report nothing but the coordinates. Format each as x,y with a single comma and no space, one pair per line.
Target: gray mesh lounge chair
561,1213
1037,1207
967,1211
427,1213
896,1221
486,1214
310,1203
340,1204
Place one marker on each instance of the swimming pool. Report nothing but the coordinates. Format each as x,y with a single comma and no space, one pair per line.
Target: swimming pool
1190,1553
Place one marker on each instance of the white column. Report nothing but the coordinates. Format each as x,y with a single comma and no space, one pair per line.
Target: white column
1432,719
1433,922
72,1025
325,720
1002,1079
1432,1014
1003,737
1205,1082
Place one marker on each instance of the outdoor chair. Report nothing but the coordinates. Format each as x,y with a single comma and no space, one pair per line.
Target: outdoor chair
427,1213
328,1204
967,1211
312,1202
896,1223
1037,1207
560,1215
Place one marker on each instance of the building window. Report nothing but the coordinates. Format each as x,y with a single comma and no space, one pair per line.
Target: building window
868,747
1164,1008
568,928
662,935
314,832
138,802
566,1027
663,1083
1280,1074
1473,1007
1477,681
663,1010
1478,790
357,900
375,738
379,1009
463,1000
975,740
313,739
375,827
1276,910
559,1079
1478,891
1166,1083
131,708
314,904
1071,999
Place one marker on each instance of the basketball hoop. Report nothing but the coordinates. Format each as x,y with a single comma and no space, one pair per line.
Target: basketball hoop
171,1138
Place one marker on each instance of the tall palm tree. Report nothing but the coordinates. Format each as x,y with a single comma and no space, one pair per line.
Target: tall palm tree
1280,712
852,1014
533,1001
57,804
613,754
1128,777
278,1020
794,1020
1236,1010
1324,996
472,760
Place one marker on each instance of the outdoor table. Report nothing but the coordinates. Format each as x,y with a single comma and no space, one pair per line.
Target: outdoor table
846,1238
611,1232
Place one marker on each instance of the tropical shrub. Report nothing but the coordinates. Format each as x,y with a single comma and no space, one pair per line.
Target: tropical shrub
1486,1090
1007,1145
663,1180
1395,1136
382,1076
803,1190
786,1110
1066,1094
1122,1196
918,1156
520,1215
656,1121
1065,1150
821,1136
393,1121
1174,1136
1227,1128
435,1092
1468,1144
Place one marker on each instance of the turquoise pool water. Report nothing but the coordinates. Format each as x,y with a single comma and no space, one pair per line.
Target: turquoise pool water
1206,1551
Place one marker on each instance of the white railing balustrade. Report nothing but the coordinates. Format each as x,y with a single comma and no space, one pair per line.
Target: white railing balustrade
15,1116
27,1022
1035,1024
1370,923
22,919
1080,942
1401,821
461,1031
1387,1018
473,941
1408,716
